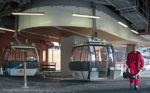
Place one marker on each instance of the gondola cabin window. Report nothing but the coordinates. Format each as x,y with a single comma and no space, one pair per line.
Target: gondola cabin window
19,54
101,53
93,57
85,54
110,55
92,53
76,54
80,54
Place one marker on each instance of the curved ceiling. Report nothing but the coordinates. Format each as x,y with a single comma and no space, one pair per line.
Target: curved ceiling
55,34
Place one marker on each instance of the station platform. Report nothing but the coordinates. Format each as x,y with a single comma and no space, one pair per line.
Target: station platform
56,85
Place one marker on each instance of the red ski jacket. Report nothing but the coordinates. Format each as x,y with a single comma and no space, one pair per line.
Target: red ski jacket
139,61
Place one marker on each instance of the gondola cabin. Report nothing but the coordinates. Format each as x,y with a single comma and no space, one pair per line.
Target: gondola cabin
18,54
91,60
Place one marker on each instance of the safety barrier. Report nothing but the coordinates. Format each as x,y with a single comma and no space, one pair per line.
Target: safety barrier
1,72
25,74
30,64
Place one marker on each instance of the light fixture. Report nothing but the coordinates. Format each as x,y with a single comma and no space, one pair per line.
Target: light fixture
122,24
134,31
28,13
87,16
5,29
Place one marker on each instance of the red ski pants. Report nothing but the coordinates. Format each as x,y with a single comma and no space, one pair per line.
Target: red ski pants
135,81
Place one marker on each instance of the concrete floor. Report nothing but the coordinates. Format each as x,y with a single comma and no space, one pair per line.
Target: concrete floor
54,85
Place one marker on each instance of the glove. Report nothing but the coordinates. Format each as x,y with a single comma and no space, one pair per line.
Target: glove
142,68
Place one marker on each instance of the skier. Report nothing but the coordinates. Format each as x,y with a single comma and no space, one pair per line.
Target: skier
135,63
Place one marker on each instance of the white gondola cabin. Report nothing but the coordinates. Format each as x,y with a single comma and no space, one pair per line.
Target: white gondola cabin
18,54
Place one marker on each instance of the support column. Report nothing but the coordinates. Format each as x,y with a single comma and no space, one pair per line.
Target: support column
66,48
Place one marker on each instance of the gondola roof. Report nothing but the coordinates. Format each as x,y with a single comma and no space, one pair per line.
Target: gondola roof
98,43
22,46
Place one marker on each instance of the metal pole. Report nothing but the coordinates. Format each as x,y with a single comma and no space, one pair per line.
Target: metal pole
25,76
94,32
15,36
